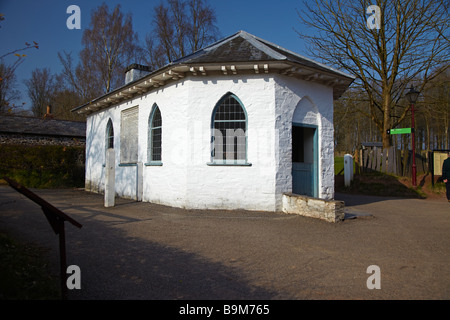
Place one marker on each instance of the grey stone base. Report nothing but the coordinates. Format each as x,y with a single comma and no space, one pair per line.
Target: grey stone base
328,210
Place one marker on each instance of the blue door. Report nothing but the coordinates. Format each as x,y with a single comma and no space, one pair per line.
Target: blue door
302,178
304,160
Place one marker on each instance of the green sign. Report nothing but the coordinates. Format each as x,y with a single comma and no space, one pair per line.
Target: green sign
399,131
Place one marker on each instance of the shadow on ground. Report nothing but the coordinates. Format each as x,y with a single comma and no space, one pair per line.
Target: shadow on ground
117,266
377,184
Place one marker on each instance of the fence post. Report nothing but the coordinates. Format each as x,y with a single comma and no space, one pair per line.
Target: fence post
110,177
348,169
139,181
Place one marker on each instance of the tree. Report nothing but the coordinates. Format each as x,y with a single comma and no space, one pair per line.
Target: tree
109,44
410,43
63,101
8,92
81,78
180,28
41,89
437,110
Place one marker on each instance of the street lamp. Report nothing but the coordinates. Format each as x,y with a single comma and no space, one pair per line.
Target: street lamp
412,96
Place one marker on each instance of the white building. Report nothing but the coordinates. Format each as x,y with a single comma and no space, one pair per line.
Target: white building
232,126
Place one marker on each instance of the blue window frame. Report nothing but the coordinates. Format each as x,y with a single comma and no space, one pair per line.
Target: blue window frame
229,132
155,137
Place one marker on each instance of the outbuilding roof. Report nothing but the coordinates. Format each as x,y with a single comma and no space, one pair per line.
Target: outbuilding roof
241,53
43,127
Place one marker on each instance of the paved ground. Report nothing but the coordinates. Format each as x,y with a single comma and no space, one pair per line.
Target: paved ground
147,251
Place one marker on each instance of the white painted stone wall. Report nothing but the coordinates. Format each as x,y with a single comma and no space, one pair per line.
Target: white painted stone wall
232,187
307,103
185,180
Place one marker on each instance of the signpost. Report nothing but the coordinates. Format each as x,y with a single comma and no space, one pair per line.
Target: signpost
400,131
406,131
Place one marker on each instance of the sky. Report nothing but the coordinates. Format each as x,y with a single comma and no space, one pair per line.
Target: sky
44,22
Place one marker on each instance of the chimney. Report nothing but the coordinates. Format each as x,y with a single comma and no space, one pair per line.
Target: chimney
135,72
48,114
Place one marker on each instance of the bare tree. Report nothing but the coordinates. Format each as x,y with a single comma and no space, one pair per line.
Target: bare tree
81,78
180,27
436,109
63,101
202,29
41,88
109,45
409,43
8,91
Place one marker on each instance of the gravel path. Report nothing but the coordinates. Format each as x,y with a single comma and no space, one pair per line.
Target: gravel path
148,251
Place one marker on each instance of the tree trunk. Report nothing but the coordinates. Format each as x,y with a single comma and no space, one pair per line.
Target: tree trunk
387,141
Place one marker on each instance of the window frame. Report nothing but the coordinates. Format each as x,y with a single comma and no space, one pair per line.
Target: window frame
228,162
151,136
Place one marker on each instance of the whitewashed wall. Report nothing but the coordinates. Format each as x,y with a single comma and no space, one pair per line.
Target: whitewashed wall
308,103
231,187
185,180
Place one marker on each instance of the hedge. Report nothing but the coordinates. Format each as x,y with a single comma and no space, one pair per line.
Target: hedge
43,166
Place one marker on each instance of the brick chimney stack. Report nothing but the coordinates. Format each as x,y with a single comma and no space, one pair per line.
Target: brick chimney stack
49,114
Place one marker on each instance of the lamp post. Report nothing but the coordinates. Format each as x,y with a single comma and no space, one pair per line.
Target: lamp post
412,96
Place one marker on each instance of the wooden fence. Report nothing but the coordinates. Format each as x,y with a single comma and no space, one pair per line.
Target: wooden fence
390,161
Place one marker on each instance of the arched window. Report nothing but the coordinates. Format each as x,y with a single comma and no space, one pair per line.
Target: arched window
155,136
229,132
109,142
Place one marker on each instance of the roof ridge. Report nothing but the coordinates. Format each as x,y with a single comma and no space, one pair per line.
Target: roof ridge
255,41
205,49
252,39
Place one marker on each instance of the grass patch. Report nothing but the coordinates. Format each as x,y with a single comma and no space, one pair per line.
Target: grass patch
339,165
439,188
25,273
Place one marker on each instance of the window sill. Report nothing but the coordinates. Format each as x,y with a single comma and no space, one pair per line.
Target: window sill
229,164
154,164
127,164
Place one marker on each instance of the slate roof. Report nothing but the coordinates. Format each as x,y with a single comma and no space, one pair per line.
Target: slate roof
42,127
243,49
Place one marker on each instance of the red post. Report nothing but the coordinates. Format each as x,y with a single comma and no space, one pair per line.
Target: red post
414,170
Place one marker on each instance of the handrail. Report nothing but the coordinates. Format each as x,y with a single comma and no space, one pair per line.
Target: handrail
56,218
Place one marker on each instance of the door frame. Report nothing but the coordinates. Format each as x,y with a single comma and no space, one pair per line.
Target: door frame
315,156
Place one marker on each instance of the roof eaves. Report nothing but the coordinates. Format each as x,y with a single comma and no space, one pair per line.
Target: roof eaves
314,62
125,86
